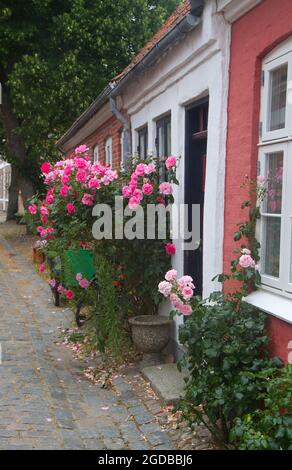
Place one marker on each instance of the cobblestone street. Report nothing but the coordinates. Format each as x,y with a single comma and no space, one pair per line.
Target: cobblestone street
45,400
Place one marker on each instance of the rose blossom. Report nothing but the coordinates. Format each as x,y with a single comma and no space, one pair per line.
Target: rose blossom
245,251
246,261
80,163
70,208
79,277
174,298
187,293
65,179
164,288
49,199
165,188
45,168
140,169
185,310
94,183
84,283
147,189
127,192
32,209
44,211
81,149
52,283
64,190
149,169
87,200
170,249
81,176
170,162
171,275
69,294
134,202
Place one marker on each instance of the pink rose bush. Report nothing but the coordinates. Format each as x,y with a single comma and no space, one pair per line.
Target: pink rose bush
179,292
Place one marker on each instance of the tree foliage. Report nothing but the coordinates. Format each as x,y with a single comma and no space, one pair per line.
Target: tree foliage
57,55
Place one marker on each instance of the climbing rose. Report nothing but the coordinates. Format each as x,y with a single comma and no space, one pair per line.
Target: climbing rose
126,192
170,162
170,249
187,293
49,199
147,189
69,294
45,168
150,168
78,277
164,288
184,309
246,261
64,190
52,283
32,209
165,188
70,208
44,211
140,169
134,202
171,275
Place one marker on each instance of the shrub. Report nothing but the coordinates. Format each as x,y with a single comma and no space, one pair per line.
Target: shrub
269,427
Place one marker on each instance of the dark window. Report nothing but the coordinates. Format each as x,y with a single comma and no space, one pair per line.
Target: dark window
143,143
163,141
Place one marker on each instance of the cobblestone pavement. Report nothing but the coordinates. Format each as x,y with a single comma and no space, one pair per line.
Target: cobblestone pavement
45,400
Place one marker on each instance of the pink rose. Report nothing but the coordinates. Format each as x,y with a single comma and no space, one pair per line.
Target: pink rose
170,162
147,189
149,169
45,168
79,277
87,200
81,149
64,190
171,275
174,298
50,199
81,176
52,283
42,267
127,192
160,200
65,179
164,288
185,310
187,293
170,249
84,283
44,219
68,170
165,188
80,163
94,183
44,211
246,261
134,202
140,169
32,209
70,208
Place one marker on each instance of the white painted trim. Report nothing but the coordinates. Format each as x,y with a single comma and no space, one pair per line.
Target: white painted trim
234,9
273,304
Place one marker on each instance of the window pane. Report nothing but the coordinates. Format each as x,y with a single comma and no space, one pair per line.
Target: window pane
274,175
272,246
168,138
278,94
161,149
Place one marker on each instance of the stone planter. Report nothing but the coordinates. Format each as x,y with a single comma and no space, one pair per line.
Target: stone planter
150,333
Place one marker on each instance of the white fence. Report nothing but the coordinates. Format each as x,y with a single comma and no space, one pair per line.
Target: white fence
5,175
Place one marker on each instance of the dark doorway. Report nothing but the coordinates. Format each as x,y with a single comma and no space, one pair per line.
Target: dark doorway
195,170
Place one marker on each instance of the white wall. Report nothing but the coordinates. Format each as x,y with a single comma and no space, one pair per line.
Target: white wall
195,67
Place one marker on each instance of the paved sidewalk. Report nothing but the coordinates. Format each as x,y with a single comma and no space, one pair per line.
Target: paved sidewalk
45,400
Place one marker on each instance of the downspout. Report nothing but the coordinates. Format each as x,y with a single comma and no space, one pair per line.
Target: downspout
127,147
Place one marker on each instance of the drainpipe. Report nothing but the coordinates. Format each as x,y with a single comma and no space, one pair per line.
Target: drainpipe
127,147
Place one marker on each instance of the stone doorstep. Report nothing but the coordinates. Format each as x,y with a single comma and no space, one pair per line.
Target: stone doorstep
166,381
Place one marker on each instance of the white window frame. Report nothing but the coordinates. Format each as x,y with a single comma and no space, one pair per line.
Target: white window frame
122,149
273,142
96,153
109,151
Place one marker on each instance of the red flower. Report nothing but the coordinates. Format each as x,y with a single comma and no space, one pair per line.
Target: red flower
69,294
170,249
46,168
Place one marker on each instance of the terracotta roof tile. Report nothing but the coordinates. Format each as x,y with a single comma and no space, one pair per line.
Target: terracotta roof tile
181,11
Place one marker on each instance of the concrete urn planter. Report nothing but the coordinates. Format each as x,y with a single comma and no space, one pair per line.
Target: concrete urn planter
150,333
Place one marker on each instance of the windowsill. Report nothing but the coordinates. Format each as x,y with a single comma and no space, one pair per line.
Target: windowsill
273,304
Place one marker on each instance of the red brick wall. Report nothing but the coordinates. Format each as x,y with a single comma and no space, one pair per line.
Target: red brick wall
111,128
253,36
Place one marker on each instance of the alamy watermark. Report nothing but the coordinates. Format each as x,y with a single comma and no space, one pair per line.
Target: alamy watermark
176,222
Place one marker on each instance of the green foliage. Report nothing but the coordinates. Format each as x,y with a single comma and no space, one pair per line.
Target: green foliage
224,341
107,317
57,55
269,427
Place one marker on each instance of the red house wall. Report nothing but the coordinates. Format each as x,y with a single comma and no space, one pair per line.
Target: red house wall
111,128
253,36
